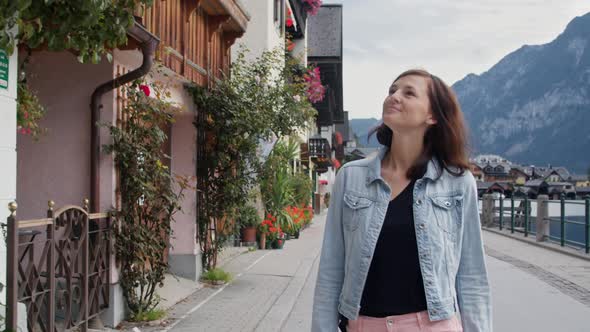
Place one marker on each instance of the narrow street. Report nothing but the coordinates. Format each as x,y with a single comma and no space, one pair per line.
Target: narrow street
273,290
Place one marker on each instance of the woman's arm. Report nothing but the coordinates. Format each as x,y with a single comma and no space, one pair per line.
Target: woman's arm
472,285
331,268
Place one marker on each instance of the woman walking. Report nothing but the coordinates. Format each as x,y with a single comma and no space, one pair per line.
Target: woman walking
402,248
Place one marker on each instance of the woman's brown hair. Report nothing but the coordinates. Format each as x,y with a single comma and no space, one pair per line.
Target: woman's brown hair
446,140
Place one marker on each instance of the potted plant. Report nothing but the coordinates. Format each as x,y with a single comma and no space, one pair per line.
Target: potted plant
248,220
277,237
264,230
298,217
279,242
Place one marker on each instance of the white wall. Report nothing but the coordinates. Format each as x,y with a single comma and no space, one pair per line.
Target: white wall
300,49
8,157
263,32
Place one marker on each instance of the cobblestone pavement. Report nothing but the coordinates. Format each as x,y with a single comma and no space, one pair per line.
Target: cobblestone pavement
565,286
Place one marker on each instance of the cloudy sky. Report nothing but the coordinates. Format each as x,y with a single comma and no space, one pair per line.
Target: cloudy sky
450,38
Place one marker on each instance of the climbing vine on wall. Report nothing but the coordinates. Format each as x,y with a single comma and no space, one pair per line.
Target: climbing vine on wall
150,195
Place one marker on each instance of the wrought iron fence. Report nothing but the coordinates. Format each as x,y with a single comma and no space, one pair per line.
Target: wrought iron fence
59,267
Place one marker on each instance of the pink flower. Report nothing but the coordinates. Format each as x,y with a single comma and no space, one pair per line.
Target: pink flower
315,90
145,89
26,115
289,22
29,131
313,6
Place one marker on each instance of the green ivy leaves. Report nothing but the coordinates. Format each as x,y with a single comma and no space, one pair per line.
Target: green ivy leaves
90,28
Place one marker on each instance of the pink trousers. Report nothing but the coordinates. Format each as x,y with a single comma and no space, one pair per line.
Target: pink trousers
414,322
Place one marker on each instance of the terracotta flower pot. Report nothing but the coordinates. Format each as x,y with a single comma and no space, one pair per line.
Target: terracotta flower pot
249,234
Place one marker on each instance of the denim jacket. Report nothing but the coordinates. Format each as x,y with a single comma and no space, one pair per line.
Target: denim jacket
448,235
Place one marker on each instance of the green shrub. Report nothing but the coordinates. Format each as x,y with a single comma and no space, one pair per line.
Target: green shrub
147,316
216,274
248,216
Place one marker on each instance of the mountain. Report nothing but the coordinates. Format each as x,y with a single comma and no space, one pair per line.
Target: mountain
533,107
361,128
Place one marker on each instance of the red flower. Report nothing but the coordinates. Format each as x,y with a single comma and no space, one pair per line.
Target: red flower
339,139
145,89
289,22
324,182
336,163
290,45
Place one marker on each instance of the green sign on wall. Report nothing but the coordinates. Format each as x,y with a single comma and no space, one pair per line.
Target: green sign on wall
3,70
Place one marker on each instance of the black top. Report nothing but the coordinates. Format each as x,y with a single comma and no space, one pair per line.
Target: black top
394,285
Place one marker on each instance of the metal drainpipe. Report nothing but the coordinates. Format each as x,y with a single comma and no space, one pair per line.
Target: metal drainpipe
149,43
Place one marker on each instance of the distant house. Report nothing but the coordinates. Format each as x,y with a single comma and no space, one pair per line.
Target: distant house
537,187
519,175
583,192
482,187
497,174
550,173
477,171
556,189
579,180
496,171
520,192
504,188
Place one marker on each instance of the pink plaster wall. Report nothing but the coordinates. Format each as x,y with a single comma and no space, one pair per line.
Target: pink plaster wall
57,167
183,163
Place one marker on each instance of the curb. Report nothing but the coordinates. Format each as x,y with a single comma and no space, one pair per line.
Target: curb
545,245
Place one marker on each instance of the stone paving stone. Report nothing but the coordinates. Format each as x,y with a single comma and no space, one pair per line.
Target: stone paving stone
573,269
240,307
567,287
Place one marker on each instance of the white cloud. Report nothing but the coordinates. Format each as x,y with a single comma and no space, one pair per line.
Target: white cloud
450,38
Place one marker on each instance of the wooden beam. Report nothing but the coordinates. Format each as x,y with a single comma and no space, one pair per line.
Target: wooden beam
229,37
191,6
215,23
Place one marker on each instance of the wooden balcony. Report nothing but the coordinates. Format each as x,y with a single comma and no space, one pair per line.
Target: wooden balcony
196,35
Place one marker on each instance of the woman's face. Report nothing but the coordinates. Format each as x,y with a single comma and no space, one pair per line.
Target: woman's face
407,106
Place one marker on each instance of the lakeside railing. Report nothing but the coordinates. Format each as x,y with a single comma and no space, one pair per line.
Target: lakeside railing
566,222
